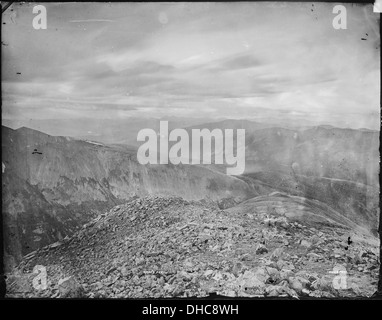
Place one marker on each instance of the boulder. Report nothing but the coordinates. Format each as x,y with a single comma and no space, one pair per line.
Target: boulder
261,249
295,284
251,280
70,288
277,253
305,243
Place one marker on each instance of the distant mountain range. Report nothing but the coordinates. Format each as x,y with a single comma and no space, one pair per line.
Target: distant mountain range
125,130
346,154
321,151
52,185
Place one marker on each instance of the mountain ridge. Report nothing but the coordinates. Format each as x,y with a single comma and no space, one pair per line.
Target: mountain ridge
76,177
167,247
71,180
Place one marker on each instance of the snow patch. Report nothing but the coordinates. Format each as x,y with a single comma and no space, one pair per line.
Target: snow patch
92,142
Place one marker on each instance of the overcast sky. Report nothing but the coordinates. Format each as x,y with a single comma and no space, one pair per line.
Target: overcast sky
234,60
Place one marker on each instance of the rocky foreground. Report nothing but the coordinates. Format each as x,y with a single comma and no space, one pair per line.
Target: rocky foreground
157,247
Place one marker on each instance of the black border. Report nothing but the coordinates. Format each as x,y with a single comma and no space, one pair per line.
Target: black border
254,307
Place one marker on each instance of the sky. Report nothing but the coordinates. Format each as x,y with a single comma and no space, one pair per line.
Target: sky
195,60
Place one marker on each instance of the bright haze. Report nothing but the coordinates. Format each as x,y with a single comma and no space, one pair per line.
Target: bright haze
198,61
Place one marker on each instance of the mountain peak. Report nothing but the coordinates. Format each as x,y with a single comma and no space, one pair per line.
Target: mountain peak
29,130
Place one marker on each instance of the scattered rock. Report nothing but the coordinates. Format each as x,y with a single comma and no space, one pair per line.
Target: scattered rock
157,247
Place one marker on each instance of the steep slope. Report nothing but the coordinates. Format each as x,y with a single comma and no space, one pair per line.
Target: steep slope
70,181
338,167
354,201
320,151
312,213
168,247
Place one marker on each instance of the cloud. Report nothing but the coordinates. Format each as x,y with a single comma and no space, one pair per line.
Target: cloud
242,61
91,20
147,59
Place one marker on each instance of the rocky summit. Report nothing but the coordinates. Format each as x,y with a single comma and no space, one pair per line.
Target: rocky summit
154,247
